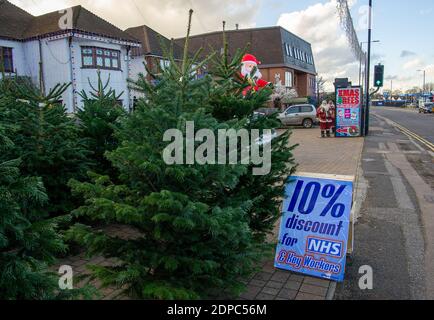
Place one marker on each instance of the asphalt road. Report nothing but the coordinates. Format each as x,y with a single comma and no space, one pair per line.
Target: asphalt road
421,124
394,234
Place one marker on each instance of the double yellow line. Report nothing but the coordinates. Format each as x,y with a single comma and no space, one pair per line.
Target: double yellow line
413,135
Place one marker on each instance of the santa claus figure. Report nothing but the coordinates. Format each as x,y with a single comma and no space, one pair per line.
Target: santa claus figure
332,118
250,63
325,119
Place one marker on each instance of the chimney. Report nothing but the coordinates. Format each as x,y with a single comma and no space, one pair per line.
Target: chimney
237,26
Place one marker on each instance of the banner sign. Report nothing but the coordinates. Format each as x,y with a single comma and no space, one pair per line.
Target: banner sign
314,230
348,112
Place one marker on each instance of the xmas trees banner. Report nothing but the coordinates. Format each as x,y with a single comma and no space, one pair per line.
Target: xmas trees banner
348,112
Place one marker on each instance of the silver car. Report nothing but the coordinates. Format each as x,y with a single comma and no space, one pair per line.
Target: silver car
299,115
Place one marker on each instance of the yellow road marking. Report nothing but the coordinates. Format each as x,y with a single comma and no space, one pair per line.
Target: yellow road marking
409,133
415,136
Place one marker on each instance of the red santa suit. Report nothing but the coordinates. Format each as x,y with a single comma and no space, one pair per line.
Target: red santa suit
324,116
321,114
249,63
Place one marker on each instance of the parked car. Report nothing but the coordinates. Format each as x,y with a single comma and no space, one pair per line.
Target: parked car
267,111
426,107
299,115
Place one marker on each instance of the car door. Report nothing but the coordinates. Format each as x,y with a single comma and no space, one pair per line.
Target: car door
292,116
307,112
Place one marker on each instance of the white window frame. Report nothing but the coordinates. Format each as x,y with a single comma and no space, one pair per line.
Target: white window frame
288,79
164,64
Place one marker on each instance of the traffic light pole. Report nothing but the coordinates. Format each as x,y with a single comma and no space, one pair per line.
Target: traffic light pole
367,111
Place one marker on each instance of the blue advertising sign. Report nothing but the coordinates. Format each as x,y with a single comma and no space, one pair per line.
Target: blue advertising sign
314,231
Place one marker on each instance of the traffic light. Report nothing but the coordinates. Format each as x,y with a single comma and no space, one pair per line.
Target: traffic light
379,76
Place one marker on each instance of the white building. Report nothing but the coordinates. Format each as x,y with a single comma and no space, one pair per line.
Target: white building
65,47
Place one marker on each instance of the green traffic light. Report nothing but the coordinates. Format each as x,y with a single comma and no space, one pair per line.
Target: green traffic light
379,75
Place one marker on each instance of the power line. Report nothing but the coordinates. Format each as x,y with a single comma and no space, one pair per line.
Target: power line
140,11
198,17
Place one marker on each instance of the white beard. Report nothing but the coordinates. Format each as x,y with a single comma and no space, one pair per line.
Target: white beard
246,73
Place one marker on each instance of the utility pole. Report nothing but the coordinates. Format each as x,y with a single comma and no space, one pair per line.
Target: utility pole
391,87
368,70
360,67
424,81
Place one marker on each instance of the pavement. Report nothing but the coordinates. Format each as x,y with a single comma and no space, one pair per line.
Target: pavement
395,227
318,156
314,155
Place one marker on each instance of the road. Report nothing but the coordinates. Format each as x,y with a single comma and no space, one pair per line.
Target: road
421,124
394,233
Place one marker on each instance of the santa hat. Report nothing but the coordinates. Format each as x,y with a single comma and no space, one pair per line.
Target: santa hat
250,58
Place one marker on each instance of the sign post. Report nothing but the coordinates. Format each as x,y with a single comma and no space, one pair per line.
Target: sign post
349,112
315,226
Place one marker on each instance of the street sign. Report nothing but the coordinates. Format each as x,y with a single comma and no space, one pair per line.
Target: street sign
314,231
348,112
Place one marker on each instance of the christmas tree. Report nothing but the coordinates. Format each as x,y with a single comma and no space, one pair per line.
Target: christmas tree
46,140
99,118
188,241
229,104
28,240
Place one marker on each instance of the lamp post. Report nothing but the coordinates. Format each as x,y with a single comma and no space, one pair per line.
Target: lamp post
424,80
368,70
391,88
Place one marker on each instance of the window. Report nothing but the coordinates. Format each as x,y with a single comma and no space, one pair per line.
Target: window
100,58
293,110
309,59
288,50
164,64
288,79
306,109
312,82
6,59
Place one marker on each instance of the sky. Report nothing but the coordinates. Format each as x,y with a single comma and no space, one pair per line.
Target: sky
404,28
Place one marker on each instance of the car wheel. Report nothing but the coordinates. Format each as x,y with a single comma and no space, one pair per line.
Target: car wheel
308,123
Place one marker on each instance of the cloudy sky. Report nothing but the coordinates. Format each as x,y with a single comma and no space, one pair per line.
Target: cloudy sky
405,28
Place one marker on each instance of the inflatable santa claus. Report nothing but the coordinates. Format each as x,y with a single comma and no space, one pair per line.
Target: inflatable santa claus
250,63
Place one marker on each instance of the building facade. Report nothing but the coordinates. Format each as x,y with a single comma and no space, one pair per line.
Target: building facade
68,46
151,52
285,57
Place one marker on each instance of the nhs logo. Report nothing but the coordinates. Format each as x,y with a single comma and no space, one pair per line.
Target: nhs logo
325,247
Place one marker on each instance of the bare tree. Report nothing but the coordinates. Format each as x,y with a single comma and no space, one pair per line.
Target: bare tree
413,90
320,82
282,95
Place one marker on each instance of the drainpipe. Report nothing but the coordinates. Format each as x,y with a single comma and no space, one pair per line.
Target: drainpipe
128,76
71,70
41,70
